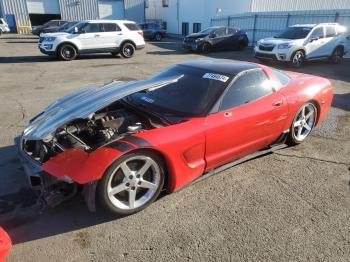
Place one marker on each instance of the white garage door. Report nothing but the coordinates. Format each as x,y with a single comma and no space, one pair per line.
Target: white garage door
43,7
111,9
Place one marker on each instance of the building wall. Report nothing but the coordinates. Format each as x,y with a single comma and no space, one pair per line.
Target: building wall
18,10
298,5
79,9
135,10
194,11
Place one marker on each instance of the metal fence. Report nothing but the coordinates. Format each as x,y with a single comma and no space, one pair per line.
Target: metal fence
264,24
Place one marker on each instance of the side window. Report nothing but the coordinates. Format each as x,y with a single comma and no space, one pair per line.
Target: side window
282,77
92,28
249,87
220,32
110,27
330,31
318,32
1,22
132,27
232,31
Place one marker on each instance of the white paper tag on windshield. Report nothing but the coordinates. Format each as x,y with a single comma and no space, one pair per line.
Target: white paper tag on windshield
217,77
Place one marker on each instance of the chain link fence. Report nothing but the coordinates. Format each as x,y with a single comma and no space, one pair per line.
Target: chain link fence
265,24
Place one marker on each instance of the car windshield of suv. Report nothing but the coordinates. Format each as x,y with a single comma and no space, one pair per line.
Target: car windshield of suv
66,26
192,94
294,33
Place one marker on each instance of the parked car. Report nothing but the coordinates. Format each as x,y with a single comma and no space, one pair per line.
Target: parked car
5,245
216,38
153,31
4,28
94,36
305,42
37,30
125,142
62,28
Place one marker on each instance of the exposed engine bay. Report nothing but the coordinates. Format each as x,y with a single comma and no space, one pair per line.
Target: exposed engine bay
111,123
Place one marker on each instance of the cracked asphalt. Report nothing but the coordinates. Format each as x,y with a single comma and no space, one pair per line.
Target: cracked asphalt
292,205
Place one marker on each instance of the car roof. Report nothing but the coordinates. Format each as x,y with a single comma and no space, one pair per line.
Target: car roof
221,65
109,21
313,25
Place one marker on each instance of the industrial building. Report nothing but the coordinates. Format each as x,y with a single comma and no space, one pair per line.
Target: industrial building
183,17
22,14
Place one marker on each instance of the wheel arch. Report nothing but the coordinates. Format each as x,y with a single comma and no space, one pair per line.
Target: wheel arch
339,46
67,43
127,41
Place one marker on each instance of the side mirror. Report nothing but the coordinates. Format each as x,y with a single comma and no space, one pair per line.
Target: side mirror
313,38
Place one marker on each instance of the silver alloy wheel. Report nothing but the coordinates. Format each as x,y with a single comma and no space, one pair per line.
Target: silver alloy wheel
304,122
67,52
137,186
298,58
128,51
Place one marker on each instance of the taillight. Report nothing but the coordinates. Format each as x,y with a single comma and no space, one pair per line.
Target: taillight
141,33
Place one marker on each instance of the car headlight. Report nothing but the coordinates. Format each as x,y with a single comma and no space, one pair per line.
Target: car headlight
198,40
50,39
284,46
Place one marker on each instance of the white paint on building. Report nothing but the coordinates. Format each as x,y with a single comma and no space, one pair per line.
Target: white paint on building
43,6
111,9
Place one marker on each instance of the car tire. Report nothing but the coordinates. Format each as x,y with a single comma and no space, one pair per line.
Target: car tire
158,37
337,56
128,186
67,52
127,50
303,123
297,58
205,48
241,45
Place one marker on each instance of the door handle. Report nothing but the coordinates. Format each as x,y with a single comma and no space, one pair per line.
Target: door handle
228,114
97,35
278,103
120,34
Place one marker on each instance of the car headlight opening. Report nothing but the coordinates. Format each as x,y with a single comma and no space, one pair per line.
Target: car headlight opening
284,46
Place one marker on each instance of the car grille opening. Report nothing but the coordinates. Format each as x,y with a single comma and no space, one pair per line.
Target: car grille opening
266,47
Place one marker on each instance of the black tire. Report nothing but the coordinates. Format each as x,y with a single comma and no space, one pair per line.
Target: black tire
158,37
102,188
337,55
241,45
67,52
205,48
292,139
297,59
127,50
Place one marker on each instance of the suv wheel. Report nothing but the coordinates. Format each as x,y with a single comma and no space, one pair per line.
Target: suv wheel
67,52
297,59
127,50
205,48
158,37
337,56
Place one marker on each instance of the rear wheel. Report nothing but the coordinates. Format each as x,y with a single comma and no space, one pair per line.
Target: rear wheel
131,183
337,56
303,123
205,48
297,59
127,50
67,52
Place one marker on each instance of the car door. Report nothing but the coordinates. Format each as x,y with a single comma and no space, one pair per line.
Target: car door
89,37
218,38
111,36
250,117
315,42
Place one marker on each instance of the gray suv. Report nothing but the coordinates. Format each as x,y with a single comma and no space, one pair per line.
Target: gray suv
153,31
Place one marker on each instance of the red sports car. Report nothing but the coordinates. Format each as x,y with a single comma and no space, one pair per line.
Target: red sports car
123,143
5,245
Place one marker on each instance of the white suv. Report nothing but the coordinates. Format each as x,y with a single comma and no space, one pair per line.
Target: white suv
4,28
305,42
94,36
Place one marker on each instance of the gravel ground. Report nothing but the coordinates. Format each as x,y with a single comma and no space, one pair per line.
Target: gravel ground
292,205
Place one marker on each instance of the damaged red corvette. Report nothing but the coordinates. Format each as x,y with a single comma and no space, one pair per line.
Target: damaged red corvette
123,143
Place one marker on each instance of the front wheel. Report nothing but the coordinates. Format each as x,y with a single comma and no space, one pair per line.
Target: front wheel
297,59
205,48
304,121
337,56
127,50
67,52
131,183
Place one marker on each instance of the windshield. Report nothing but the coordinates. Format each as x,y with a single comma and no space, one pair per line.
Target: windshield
193,92
80,25
294,33
67,25
207,31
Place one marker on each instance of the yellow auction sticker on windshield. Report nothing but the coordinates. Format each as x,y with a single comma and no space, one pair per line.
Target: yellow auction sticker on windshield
217,77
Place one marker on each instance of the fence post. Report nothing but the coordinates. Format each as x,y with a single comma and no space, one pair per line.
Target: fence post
228,21
254,28
336,18
287,22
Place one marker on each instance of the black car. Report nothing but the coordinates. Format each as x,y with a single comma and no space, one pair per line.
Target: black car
62,28
153,31
216,38
37,30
